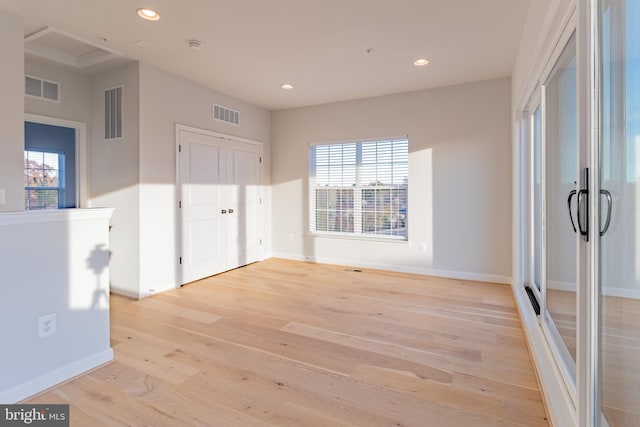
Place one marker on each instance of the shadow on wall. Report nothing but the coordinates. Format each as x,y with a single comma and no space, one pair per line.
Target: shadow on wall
56,306
98,262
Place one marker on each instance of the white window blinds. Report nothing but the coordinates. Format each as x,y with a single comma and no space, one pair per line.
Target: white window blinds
359,188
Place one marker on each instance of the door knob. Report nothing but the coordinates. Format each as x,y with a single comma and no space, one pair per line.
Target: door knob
223,211
230,211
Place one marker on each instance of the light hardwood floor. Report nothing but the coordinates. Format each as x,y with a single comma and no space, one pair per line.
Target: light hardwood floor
284,343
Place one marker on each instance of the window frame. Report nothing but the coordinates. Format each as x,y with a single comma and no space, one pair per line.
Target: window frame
355,207
60,188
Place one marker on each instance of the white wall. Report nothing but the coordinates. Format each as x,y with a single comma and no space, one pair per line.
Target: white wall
53,262
11,112
459,179
75,92
114,171
167,100
136,174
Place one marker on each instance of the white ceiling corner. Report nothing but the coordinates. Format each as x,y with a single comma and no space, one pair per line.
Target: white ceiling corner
58,46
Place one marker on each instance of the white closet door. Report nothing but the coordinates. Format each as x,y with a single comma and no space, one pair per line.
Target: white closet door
204,199
221,212
243,179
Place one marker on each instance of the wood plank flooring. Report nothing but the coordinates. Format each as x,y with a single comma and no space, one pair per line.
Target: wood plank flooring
285,343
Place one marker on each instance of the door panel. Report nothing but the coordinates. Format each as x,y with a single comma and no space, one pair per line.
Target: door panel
536,180
552,247
220,184
620,243
560,160
243,173
201,178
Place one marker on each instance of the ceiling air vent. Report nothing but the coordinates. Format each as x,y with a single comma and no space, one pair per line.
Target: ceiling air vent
41,88
113,113
225,114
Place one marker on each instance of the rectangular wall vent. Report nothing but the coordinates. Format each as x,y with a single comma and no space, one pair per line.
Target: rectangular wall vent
113,113
41,88
225,114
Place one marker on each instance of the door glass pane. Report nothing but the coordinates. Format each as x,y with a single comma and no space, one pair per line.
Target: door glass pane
560,159
620,244
536,139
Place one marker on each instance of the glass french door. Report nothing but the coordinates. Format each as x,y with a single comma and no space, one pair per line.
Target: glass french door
582,257
552,205
619,203
559,201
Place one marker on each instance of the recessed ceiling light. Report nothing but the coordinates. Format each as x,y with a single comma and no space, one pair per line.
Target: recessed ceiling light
420,62
148,14
286,86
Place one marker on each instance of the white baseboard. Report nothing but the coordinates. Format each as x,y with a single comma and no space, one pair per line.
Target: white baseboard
461,275
142,294
561,286
124,292
608,292
622,293
50,379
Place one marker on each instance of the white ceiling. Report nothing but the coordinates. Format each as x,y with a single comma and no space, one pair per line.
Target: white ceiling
320,46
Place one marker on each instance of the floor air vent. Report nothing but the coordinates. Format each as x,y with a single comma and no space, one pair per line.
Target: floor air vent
533,299
225,114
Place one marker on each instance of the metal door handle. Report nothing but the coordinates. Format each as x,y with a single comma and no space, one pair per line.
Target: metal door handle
571,195
223,211
584,232
609,207
230,211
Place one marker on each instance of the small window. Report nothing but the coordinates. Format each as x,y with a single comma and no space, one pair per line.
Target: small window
359,189
37,87
43,180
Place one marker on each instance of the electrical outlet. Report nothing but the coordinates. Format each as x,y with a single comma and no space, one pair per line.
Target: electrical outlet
46,325
290,237
2,196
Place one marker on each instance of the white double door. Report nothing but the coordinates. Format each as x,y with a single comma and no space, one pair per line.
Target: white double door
220,204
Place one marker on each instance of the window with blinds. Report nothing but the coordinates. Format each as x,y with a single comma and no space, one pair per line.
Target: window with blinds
359,188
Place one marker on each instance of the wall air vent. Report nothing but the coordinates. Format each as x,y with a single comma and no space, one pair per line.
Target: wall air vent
113,113
41,88
226,115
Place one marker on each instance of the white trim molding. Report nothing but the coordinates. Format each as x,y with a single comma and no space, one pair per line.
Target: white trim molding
53,378
446,274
